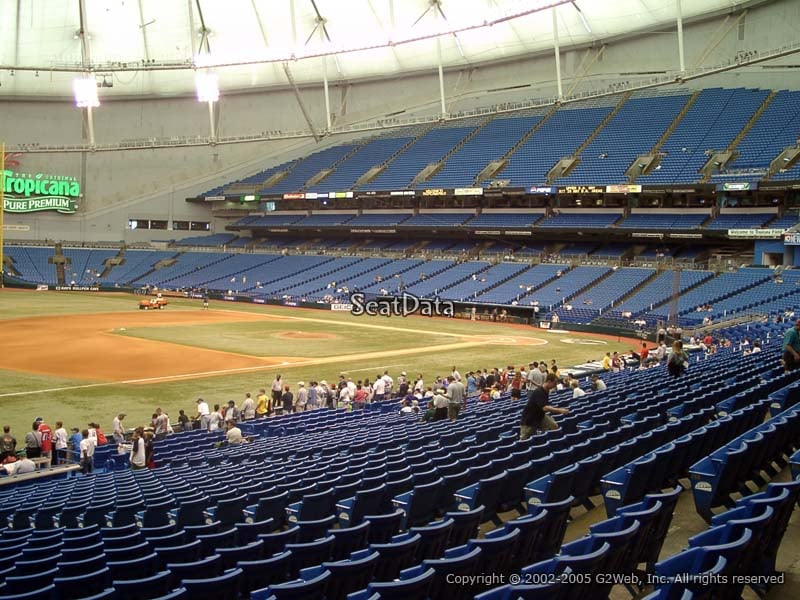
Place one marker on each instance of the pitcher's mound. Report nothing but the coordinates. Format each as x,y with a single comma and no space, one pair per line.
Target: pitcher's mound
304,335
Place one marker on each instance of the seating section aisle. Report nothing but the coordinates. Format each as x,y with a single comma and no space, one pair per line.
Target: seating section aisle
712,122
135,264
633,131
429,148
371,154
659,290
32,263
85,265
307,168
490,143
775,130
559,136
598,298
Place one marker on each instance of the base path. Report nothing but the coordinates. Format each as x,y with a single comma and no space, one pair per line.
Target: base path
85,347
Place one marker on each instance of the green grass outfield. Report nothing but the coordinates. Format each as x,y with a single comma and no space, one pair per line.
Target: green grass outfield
78,401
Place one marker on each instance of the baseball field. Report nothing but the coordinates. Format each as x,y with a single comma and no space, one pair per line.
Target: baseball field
78,357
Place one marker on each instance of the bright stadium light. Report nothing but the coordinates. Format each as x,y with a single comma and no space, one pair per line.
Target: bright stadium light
207,86
85,89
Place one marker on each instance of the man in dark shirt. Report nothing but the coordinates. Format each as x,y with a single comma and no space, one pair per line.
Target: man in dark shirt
534,415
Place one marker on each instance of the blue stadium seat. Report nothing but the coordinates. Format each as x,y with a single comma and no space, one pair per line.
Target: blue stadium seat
348,540
346,576
498,550
210,566
297,589
308,554
414,588
395,555
435,538
224,587
276,542
462,560
144,588
420,504
258,574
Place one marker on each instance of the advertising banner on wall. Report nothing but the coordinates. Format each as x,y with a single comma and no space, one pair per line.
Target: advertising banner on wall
25,192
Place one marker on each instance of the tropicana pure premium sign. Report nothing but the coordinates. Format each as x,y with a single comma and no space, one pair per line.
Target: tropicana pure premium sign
24,193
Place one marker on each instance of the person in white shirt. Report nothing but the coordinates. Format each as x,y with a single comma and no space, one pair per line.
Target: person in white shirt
60,443
117,432
88,445
455,374
389,381
215,419
598,385
137,456
233,434
302,397
379,388
577,392
203,413
351,387
419,385
345,397
248,407
22,466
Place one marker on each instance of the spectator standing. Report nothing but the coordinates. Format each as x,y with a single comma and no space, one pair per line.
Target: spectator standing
678,360
160,426
47,437
302,397
312,395
379,388
87,446
440,403
60,443
455,397
8,444
288,400
277,387
183,421
791,347
359,398
215,420
33,442
264,407
232,413
137,456
202,413
118,432
75,443
248,408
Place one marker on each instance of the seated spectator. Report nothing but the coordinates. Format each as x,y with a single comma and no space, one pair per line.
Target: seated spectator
577,392
233,434
598,385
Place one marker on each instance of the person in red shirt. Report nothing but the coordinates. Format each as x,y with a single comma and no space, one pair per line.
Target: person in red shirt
47,437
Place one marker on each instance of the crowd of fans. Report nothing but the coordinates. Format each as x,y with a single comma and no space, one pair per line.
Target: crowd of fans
442,398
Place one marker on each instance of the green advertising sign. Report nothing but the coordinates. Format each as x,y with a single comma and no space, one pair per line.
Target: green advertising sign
24,193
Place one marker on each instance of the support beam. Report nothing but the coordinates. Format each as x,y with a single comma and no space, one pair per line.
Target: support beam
90,125
557,51
143,29
86,59
288,72
192,32
679,12
442,106
327,94
211,123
